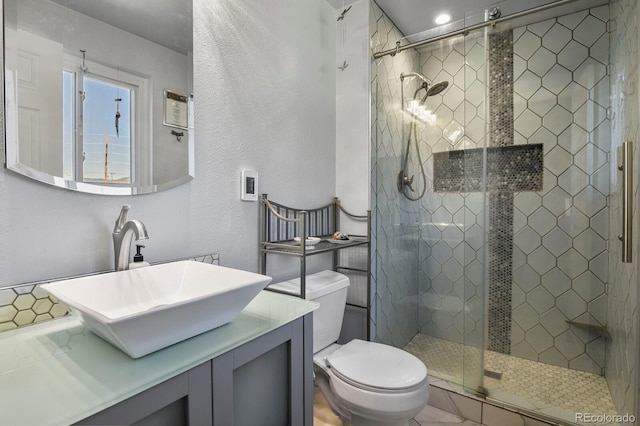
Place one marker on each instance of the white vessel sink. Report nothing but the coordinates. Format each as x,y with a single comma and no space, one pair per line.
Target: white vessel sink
146,309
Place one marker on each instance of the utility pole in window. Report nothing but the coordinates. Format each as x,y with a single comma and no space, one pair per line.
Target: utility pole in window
106,158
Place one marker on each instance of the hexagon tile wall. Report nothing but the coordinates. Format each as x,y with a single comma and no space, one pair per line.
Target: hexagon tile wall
561,95
549,243
552,264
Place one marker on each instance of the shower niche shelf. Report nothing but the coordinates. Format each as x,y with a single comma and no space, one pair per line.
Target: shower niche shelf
280,224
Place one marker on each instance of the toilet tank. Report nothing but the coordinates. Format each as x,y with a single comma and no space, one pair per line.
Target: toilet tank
329,289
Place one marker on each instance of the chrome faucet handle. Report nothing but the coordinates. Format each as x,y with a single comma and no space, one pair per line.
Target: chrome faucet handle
123,233
408,181
122,218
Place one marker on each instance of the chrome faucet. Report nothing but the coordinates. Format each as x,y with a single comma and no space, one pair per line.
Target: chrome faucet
123,235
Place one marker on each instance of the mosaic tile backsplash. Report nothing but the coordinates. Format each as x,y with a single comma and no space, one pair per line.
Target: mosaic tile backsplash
27,304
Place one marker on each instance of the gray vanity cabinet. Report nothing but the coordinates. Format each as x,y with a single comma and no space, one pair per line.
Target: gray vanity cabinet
181,400
266,381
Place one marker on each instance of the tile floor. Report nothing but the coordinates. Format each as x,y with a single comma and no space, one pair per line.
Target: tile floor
551,391
431,416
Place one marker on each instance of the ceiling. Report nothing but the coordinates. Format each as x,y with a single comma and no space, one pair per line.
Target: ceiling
166,22
417,16
173,27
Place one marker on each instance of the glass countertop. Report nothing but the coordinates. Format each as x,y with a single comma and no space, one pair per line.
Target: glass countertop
59,372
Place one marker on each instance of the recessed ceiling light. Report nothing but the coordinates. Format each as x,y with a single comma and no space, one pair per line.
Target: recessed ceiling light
443,18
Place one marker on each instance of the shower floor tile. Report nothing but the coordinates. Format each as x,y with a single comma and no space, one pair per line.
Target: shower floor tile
529,385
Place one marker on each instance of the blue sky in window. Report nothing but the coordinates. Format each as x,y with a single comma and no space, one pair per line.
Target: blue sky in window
100,108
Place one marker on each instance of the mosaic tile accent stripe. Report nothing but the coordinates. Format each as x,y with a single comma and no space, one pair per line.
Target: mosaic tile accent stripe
27,304
500,240
500,89
500,244
509,169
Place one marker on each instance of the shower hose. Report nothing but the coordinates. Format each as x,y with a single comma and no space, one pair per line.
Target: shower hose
404,185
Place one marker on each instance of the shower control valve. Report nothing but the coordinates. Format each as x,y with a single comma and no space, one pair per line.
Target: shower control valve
408,181
404,180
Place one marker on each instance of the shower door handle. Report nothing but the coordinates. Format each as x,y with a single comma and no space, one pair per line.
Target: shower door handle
626,167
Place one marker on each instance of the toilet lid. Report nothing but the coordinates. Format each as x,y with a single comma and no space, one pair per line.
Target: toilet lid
377,366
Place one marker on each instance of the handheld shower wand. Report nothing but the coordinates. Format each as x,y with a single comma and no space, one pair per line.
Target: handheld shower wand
403,180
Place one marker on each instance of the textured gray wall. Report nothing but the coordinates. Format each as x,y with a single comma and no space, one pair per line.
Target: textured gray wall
264,83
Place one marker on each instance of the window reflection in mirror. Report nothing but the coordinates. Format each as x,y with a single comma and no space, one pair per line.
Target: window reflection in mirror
98,102
106,144
84,94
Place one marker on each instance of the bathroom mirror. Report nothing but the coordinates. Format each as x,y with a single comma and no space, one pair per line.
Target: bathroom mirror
85,86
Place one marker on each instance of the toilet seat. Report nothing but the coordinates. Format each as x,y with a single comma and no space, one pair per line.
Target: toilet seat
374,381
377,368
384,406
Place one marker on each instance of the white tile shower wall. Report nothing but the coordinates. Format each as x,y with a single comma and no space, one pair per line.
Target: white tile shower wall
561,95
560,71
622,350
452,224
374,14
394,218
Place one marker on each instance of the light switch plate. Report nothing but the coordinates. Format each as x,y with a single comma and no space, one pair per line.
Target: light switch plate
249,190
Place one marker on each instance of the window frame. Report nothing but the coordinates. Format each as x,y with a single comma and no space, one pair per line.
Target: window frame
141,117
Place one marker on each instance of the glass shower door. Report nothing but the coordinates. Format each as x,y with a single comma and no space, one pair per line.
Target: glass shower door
395,263
473,188
520,292
548,179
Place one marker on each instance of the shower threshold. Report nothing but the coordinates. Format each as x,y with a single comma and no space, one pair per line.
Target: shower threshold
532,387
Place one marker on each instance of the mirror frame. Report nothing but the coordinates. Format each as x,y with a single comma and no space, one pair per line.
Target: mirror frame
10,151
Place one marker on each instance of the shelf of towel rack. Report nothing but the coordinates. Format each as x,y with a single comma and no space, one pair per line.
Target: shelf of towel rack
280,224
290,247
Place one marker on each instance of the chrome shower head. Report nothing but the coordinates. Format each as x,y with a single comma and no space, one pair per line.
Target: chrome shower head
437,88
433,90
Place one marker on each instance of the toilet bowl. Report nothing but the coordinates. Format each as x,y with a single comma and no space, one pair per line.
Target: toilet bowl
371,383
366,383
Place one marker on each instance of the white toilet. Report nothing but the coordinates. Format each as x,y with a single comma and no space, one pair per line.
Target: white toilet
367,383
